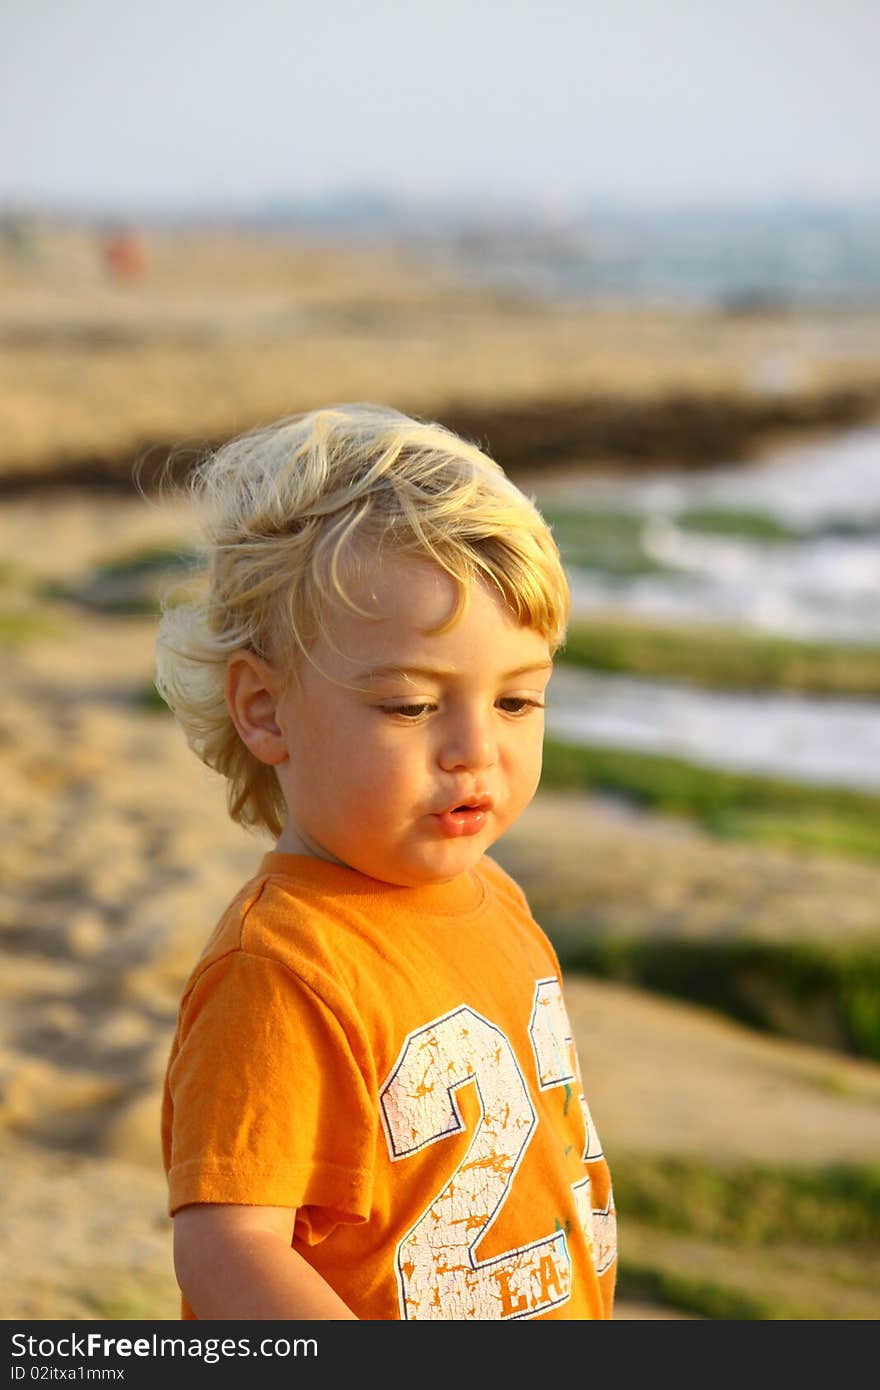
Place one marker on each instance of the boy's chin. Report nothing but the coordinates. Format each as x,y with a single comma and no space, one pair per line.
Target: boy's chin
418,862
454,858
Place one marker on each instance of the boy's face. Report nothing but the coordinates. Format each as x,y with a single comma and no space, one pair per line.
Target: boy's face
369,772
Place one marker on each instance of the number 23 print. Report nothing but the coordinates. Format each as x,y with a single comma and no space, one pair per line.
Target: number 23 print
438,1274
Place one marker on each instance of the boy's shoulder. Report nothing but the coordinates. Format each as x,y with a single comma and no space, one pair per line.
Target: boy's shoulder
270,919
263,916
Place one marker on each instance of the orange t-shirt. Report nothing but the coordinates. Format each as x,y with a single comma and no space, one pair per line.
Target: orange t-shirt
398,1065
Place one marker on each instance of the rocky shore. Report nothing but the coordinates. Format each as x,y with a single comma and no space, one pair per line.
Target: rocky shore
609,433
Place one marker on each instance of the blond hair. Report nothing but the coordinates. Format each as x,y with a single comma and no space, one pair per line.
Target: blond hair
282,509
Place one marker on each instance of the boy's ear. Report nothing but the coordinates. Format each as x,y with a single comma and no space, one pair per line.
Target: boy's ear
252,691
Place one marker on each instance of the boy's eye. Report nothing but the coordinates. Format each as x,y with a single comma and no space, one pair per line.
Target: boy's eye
408,711
519,704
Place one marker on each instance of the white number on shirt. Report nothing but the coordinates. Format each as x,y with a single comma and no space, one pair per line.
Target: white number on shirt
438,1274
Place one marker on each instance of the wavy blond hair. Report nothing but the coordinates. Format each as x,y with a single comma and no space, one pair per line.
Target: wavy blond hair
283,511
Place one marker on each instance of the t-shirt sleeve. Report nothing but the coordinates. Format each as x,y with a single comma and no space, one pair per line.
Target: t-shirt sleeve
270,1104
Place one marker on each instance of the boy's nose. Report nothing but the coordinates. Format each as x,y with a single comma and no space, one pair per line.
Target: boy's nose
469,744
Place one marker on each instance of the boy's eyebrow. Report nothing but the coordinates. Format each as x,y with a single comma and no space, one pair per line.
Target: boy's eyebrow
444,673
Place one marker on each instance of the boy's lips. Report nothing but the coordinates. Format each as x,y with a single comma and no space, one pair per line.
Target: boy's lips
464,817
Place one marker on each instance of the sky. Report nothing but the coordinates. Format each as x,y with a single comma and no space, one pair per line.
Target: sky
554,103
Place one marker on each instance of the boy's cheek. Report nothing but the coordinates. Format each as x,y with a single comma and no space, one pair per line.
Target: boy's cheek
532,782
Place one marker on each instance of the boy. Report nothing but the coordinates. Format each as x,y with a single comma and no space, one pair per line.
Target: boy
372,1106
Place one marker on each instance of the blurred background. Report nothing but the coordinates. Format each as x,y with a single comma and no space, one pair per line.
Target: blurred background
634,252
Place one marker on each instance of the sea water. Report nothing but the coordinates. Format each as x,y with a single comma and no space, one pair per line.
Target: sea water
823,583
